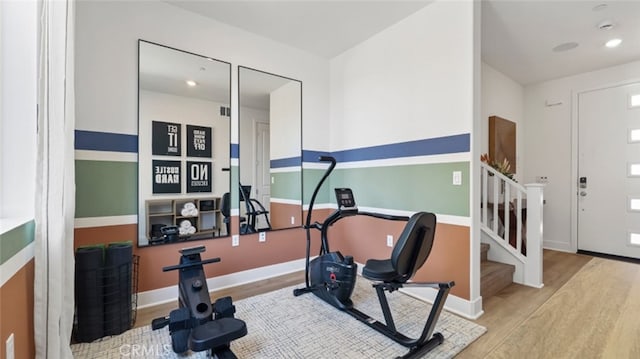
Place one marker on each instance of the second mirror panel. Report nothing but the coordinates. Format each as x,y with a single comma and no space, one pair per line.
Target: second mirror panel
270,128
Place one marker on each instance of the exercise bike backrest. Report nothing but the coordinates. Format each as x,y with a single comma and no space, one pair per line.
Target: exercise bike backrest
194,292
414,245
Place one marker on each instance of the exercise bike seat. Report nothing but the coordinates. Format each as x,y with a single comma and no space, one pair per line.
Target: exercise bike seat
216,333
409,253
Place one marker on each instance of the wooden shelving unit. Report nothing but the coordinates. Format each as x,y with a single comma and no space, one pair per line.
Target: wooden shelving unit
168,212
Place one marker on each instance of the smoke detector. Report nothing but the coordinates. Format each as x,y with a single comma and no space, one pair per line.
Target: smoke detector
606,25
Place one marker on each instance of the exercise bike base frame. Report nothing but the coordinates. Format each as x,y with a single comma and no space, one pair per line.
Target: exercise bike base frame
427,340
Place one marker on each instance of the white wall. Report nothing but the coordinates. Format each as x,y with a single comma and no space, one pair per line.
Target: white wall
503,97
18,115
107,56
408,82
548,144
284,114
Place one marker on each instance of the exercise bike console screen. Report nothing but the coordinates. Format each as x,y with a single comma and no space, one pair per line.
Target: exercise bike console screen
345,199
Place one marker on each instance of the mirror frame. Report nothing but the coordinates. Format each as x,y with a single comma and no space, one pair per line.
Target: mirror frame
208,198
298,159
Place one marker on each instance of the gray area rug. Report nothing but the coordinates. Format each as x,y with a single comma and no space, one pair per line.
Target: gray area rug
283,326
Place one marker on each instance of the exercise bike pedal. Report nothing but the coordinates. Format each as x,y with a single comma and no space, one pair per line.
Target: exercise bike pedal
159,323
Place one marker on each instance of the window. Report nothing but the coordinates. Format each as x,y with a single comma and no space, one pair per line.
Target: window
634,169
634,204
634,135
18,99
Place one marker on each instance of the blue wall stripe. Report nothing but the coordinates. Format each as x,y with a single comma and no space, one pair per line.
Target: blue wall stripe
312,156
286,162
426,147
105,141
235,150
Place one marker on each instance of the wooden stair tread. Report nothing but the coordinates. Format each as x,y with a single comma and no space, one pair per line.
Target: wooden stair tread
484,249
494,277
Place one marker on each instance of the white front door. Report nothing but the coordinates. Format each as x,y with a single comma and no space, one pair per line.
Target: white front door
609,171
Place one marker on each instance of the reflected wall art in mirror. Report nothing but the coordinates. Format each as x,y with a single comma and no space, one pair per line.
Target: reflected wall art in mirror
183,145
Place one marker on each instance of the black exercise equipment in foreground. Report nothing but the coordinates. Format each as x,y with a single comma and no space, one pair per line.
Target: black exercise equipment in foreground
331,277
198,324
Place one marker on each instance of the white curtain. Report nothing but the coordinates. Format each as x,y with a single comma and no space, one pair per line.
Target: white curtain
55,181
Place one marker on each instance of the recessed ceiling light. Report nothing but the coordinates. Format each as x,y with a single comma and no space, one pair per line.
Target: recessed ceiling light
191,83
565,47
613,43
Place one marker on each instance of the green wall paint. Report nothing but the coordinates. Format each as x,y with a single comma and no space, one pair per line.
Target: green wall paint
423,187
235,187
310,178
106,188
15,240
286,185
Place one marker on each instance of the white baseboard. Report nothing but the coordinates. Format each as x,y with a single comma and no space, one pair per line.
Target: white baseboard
462,307
169,294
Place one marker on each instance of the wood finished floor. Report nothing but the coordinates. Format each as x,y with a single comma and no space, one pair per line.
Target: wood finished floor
589,313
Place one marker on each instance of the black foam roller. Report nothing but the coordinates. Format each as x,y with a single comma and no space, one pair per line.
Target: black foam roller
117,298
89,294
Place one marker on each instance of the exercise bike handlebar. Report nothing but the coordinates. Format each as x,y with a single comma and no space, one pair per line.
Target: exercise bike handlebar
389,217
190,265
315,191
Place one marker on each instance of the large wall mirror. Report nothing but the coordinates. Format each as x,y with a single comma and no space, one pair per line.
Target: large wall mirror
183,145
270,129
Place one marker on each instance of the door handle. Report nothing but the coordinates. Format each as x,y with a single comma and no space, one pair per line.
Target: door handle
583,193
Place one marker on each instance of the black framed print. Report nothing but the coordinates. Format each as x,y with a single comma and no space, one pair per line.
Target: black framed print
166,138
199,176
166,176
198,141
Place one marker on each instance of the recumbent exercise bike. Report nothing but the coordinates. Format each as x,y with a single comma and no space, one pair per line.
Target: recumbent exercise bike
331,276
198,324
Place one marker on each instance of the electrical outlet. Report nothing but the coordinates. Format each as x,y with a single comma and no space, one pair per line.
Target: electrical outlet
389,240
542,179
457,178
10,350
262,237
293,220
235,240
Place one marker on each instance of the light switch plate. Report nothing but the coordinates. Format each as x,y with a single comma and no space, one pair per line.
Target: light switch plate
457,178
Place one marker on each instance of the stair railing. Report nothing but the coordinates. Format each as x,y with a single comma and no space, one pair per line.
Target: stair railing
511,215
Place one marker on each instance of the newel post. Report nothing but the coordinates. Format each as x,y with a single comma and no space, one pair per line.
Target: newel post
535,201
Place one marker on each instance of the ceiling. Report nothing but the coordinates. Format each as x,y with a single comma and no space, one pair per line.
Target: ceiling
517,35
166,70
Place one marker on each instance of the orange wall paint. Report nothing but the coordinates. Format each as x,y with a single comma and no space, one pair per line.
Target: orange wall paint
365,238
16,313
281,246
281,214
362,237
